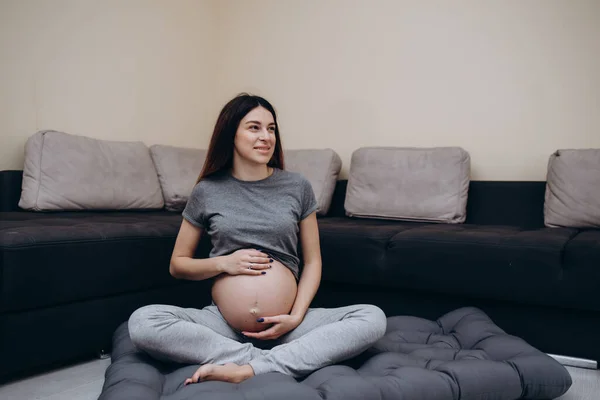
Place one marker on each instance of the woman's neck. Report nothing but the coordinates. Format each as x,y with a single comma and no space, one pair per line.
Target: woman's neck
248,172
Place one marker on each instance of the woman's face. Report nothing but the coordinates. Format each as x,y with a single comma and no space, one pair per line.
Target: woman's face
255,137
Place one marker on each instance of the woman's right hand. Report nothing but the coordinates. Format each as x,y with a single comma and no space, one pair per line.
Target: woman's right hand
246,262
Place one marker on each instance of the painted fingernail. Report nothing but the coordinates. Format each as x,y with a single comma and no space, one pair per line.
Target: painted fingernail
264,272
271,260
260,320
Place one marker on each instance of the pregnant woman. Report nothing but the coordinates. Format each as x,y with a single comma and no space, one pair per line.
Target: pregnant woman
256,213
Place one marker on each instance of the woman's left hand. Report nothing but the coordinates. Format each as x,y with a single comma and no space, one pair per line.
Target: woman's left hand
282,324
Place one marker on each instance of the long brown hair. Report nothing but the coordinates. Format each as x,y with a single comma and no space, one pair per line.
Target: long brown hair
220,150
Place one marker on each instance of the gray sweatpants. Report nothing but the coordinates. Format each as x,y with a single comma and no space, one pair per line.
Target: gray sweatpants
193,336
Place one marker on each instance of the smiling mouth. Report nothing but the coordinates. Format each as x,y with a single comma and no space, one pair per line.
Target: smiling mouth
262,148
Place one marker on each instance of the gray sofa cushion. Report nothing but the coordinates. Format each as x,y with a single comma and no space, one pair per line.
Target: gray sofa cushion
413,184
178,169
573,189
70,172
461,355
321,167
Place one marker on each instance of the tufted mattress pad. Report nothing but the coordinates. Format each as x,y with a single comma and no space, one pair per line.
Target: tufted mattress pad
461,355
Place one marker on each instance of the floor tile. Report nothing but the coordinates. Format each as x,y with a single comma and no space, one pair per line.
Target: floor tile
89,391
56,381
586,385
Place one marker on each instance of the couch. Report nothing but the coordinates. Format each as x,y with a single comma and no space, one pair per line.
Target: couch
70,278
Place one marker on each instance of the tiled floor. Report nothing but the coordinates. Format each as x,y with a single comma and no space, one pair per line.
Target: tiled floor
586,385
79,382
84,382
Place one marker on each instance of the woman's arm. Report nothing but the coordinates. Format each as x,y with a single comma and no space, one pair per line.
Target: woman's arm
184,266
311,272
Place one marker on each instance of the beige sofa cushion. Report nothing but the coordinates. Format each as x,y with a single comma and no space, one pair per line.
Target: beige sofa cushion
321,167
573,189
70,172
178,169
413,184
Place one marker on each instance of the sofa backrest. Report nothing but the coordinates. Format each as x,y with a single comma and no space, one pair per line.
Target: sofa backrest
489,203
10,190
506,203
516,203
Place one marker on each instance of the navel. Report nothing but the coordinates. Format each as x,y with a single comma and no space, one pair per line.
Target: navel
255,310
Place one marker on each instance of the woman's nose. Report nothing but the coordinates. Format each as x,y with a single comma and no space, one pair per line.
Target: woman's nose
264,134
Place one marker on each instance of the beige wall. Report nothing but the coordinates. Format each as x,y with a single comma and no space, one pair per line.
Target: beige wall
122,70
508,80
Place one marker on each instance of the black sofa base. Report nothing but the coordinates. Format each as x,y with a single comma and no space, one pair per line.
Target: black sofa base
41,339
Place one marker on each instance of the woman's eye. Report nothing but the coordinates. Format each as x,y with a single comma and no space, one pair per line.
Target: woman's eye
272,129
254,127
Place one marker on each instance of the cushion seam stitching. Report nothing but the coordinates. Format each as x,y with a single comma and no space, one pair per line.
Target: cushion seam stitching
37,195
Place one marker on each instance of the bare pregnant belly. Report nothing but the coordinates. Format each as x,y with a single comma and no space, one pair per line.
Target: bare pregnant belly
242,299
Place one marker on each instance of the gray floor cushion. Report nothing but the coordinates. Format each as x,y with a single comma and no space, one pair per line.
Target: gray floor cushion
462,355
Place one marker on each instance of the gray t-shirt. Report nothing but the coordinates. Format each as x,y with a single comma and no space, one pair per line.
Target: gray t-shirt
263,214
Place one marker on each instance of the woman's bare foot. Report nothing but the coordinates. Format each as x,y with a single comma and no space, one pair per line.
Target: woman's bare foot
227,373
